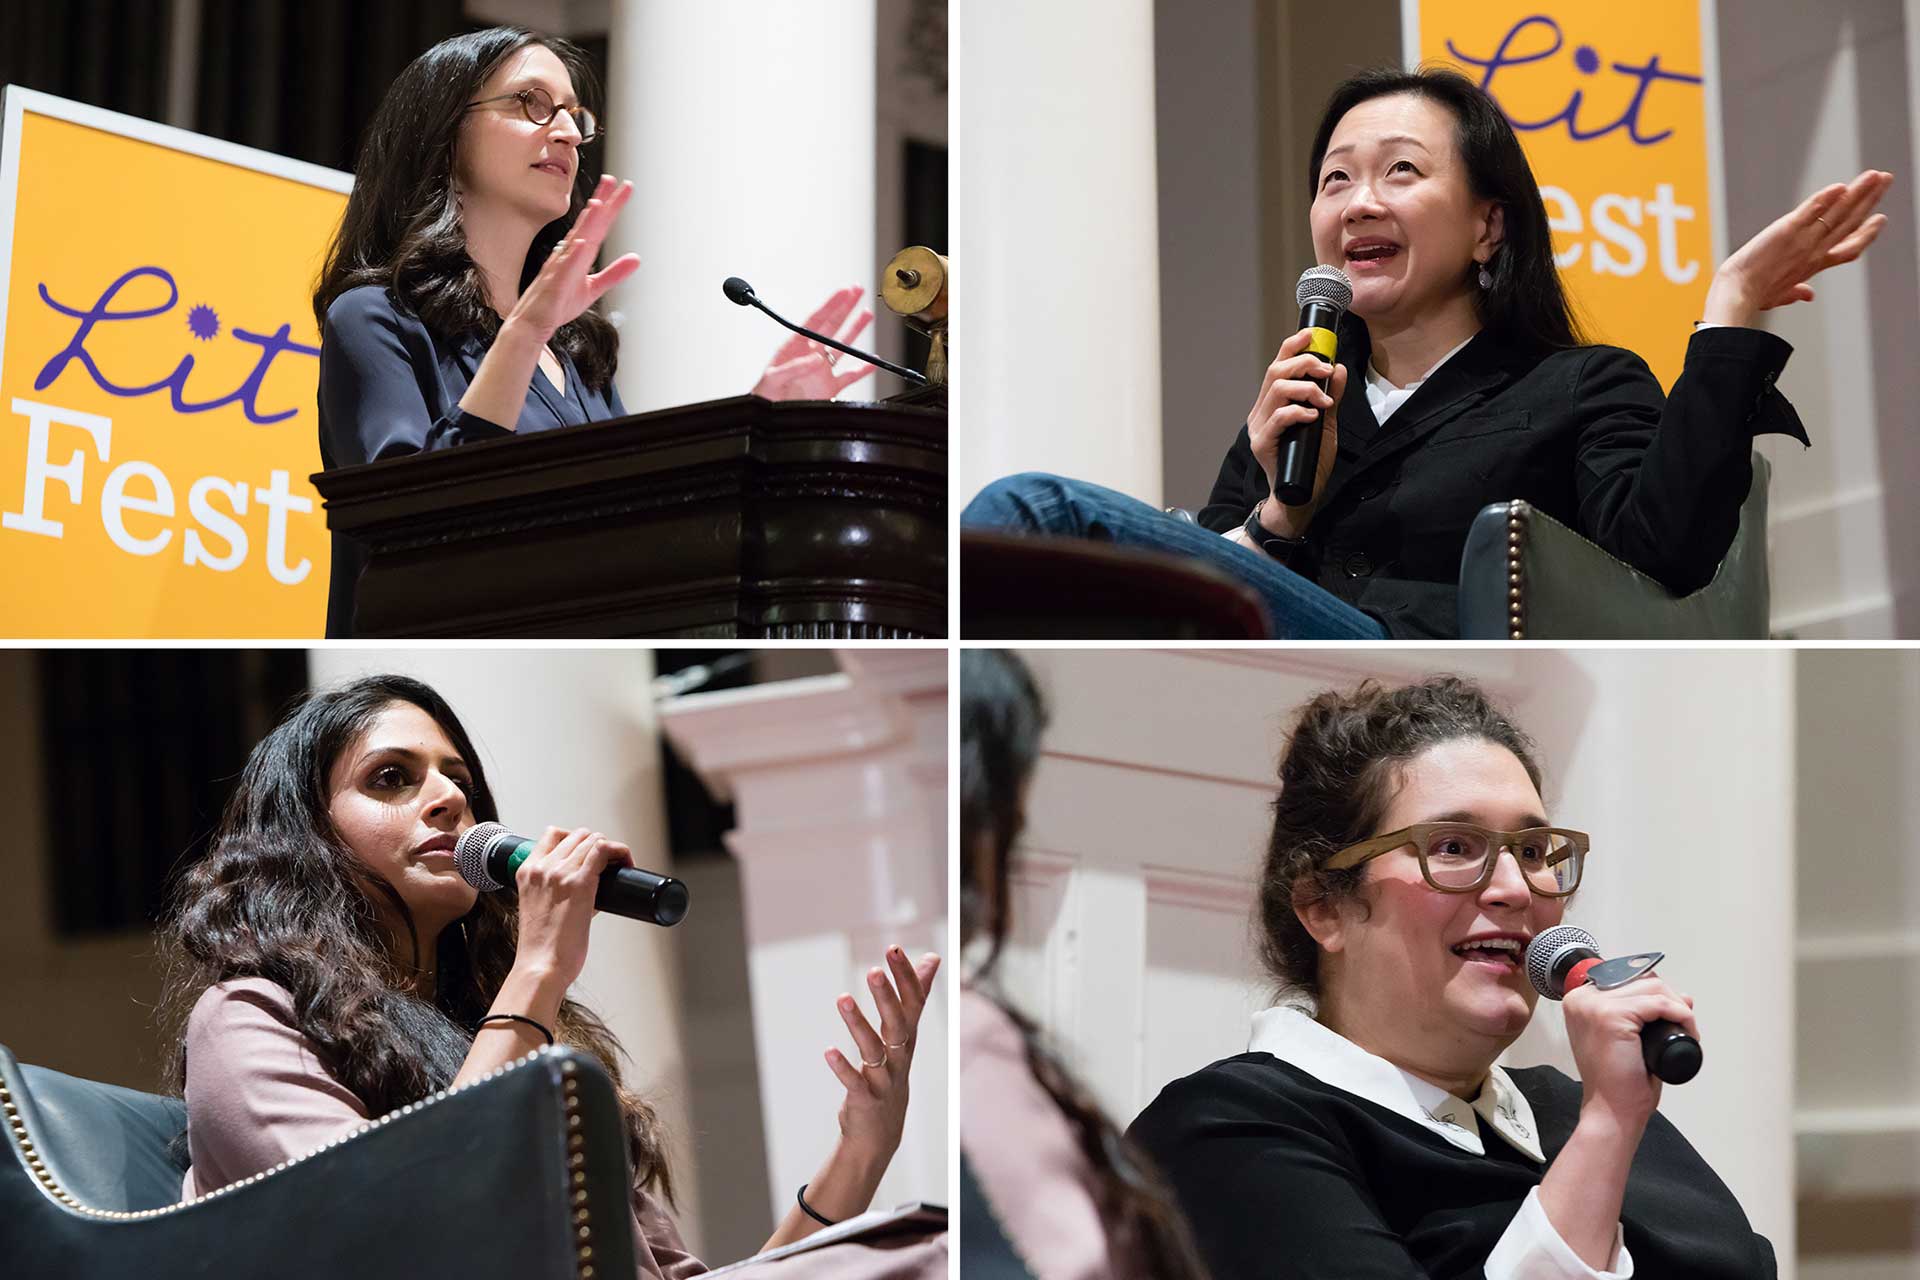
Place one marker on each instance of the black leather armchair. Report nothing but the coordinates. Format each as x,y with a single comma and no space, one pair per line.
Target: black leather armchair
1525,576
521,1174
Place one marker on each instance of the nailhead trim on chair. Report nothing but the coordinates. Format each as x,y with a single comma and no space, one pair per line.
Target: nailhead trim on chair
1516,542
576,1154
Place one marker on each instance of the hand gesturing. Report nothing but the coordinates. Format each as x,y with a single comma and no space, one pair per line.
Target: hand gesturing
803,369
564,288
1833,225
874,1113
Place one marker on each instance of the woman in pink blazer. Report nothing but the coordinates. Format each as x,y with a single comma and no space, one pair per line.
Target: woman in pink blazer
338,967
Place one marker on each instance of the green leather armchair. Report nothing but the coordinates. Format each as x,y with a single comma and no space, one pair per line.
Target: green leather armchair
522,1173
1526,576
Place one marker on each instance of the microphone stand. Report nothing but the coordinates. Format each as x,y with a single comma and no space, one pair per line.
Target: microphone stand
740,292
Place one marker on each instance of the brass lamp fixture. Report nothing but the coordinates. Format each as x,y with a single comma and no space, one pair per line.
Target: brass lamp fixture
914,287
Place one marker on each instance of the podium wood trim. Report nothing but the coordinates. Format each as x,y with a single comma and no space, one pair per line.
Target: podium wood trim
738,518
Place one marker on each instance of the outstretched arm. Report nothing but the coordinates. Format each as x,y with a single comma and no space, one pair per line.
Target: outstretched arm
874,1112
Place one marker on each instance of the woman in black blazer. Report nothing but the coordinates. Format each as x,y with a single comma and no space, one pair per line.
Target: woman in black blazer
458,301
1367,1134
1472,385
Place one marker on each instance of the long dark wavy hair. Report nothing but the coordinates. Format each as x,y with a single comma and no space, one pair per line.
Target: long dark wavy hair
280,896
402,227
1337,777
1001,718
1526,307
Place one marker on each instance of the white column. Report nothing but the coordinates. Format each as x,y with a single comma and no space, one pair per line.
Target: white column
838,784
569,738
747,127
1056,262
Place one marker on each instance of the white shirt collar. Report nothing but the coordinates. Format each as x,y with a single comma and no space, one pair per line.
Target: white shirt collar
1289,1033
1383,397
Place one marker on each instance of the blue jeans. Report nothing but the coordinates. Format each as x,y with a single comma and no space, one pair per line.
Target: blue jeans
1034,502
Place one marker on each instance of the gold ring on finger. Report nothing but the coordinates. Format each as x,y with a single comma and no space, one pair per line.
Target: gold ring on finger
891,1045
881,1063
1822,221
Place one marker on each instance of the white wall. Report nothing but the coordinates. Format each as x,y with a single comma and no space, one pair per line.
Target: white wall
1147,819
1858,1036
1212,345
1812,94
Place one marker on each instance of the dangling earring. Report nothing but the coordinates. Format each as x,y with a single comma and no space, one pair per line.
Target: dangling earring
1486,277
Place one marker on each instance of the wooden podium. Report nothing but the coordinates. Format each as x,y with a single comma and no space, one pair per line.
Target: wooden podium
740,518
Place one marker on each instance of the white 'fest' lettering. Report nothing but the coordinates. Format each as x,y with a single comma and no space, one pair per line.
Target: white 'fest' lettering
154,497
1615,220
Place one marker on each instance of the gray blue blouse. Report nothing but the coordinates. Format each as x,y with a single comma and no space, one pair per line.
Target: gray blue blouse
389,387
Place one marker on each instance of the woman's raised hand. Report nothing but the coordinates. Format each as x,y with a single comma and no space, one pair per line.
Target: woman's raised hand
1833,225
874,1112
567,284
1286,398
1603,1029
803,369
556,886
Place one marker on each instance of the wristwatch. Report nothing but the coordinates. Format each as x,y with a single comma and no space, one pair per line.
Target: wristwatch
1272,543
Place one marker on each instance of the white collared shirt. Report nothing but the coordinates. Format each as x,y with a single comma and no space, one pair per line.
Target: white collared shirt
1530,1249
1383,397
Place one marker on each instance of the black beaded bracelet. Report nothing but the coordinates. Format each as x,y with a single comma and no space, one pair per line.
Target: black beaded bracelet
809,1210
515,1017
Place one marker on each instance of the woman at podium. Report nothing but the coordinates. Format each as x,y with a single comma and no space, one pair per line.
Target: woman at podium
336,966
1367,1132
458,300
1463,380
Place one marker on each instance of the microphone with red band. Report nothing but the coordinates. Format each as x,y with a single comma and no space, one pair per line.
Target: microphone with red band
1564,957
489,855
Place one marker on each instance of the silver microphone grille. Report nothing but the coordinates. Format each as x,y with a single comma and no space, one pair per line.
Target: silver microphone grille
1324,284
470,854
1548,946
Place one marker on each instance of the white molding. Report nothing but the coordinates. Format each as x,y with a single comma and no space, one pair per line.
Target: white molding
1820,948
1716,138
1852,1121
1498,668
1866,618
1207,891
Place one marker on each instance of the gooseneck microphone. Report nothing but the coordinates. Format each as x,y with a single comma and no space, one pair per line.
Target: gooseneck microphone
1565,957
740,292
1324,293
489,854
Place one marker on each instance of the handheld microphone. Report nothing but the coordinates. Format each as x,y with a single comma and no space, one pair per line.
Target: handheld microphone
1324,293
489,854
1563,957
740,292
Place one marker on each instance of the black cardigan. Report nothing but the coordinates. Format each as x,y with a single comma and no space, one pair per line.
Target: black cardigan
1585,435
390,387
1284,1176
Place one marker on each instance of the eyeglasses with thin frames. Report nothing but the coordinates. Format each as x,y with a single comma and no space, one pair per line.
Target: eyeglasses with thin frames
1459,857
539,107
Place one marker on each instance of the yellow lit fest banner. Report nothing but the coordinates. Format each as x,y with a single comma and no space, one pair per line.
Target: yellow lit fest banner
158,371
1614,105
